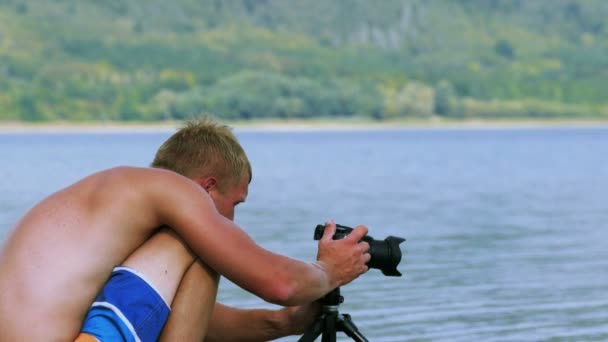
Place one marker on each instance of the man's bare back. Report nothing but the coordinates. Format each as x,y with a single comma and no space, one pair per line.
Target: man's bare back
64,249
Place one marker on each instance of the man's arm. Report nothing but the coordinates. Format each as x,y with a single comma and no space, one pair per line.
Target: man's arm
255,325
195,314
227,249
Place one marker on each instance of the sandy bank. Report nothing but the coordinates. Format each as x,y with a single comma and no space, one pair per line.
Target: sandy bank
296,125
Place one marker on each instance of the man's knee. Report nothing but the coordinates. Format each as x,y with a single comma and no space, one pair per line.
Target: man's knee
204,271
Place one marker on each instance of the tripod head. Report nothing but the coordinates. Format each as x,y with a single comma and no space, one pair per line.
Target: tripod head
333,298
332,321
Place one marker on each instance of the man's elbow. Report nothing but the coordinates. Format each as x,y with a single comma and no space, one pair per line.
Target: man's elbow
281,292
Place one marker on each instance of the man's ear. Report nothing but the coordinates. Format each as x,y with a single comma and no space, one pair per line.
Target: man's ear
207,183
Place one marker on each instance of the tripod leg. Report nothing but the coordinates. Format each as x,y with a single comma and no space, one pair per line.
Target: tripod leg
346,324
314,331
329,332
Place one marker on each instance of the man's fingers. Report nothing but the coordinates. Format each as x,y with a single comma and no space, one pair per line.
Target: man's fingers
357,233
330,230
367,257
364,246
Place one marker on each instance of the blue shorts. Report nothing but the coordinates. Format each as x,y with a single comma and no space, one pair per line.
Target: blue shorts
128,308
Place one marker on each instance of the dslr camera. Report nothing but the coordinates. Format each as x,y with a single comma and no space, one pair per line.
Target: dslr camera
385,255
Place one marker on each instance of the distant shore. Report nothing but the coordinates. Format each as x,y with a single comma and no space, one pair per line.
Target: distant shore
299,125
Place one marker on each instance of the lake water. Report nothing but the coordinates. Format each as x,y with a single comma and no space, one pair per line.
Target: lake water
507,229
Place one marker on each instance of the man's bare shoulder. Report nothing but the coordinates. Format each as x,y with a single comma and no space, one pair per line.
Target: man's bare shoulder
171,197
151,192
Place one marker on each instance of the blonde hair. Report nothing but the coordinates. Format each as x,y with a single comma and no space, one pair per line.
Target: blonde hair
203,148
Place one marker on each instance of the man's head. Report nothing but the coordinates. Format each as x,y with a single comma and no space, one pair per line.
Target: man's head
209,154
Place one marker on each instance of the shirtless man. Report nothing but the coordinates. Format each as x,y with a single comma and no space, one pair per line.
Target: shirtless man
65,248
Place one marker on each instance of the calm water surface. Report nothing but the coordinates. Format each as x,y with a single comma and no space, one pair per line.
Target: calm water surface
506,229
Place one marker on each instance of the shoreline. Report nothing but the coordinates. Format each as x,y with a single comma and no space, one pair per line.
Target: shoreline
15,127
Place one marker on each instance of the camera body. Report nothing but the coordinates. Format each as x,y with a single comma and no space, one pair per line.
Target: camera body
385,254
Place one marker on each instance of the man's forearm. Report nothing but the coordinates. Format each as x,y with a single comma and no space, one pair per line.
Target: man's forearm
246,325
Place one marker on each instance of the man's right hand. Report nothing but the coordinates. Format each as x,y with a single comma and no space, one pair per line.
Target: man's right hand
345,259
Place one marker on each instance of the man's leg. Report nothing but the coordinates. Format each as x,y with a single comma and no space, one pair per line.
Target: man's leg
136,300
192,305
163,260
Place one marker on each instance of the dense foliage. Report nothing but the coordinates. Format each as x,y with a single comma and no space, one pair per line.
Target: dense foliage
155,60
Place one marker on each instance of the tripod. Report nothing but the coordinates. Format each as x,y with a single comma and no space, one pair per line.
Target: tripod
332,321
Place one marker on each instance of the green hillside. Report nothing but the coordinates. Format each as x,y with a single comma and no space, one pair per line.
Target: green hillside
241,59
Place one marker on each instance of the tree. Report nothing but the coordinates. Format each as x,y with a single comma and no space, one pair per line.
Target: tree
444,96
29,109
504,48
